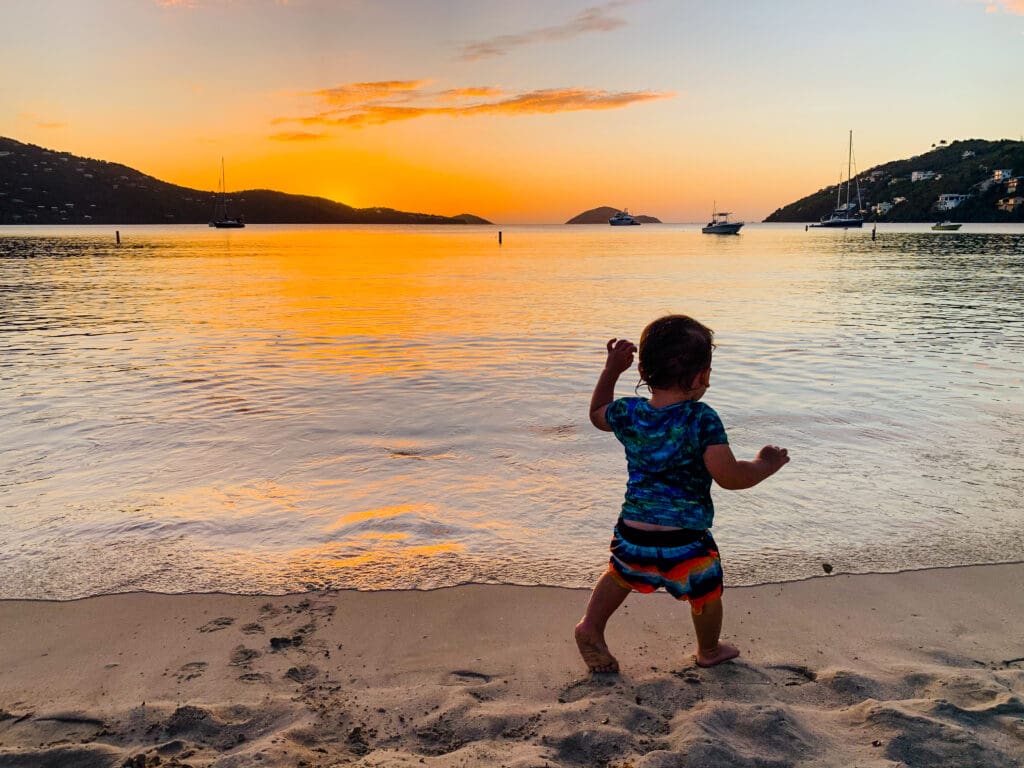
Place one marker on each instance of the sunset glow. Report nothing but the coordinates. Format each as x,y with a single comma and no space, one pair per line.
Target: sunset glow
526,112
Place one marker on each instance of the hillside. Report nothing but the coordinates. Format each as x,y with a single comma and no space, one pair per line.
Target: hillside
42,186
602,214
969,167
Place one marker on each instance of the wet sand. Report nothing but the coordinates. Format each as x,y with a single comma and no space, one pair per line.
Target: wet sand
922,668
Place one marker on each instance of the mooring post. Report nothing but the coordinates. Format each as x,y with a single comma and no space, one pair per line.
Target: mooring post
117,234
499,237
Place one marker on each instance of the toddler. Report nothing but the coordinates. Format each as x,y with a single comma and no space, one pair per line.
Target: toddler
675,446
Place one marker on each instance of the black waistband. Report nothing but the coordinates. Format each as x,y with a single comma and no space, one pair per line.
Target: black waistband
642,538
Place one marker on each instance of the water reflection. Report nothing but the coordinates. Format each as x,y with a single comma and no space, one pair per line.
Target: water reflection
390,408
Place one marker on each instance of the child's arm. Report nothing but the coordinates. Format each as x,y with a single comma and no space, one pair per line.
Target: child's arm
620,357
735,475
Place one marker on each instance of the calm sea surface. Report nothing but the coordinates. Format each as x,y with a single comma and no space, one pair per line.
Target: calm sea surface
288,408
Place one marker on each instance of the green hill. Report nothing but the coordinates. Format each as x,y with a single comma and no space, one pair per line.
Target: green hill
961,167
42,186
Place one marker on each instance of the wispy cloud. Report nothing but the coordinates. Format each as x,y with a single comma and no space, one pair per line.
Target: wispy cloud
298,136
206,3
361,104
596,19
483,91
1006,6
369,93
40,121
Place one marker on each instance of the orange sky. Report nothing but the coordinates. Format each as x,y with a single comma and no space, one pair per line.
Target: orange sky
526,112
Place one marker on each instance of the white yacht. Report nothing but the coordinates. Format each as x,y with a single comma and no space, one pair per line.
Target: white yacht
622,219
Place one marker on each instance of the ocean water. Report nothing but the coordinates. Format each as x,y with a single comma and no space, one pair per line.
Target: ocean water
289,408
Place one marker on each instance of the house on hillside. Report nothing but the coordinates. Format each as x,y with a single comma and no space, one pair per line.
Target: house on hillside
1012,185
1002,174
966,154
883,208
950,201
922,175
1010,204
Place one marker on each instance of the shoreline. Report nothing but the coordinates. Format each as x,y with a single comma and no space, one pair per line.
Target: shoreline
917,668
428,590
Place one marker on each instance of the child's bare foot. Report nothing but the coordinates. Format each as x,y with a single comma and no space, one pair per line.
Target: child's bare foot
723,652
595,651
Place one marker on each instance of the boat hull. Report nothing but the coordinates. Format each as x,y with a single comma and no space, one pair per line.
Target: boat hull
228,224
946,227
721,229
840,224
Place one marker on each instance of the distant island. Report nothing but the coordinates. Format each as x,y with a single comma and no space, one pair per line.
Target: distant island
965,181
44,186
602,214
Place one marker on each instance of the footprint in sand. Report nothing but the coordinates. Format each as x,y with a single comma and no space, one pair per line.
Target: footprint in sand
214,625
302,674
468,676
242,656
190,671
795,674
254,677
252,629
280,643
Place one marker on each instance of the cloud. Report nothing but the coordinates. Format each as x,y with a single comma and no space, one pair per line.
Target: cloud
364,93
298,136
595,19
198,3
482,91
1005,6
403,100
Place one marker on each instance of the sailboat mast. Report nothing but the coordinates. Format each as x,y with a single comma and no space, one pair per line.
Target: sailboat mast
849,171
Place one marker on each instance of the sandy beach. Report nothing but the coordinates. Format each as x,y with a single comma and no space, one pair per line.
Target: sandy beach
922,668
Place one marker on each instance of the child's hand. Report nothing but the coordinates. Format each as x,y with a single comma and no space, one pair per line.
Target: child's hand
775,457
620,355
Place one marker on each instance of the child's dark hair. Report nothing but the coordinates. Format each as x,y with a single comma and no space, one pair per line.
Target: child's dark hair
673,350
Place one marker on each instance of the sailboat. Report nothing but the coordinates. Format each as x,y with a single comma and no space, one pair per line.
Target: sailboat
846,214
221,218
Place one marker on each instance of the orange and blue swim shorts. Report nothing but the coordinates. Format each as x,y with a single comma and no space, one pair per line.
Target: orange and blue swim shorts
685,562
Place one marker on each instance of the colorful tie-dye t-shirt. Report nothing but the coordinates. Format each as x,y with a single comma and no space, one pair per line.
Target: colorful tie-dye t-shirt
668,482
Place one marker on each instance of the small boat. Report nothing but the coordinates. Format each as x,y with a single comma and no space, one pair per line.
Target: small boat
623,219
847,214
946,226
720,224
221,218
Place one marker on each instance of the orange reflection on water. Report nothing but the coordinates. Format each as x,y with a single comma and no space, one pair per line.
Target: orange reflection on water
364,302
250,499
394,558
381,513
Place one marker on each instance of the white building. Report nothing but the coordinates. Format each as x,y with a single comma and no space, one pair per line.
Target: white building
883,208
966,153
1010,204
922,175
948,202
